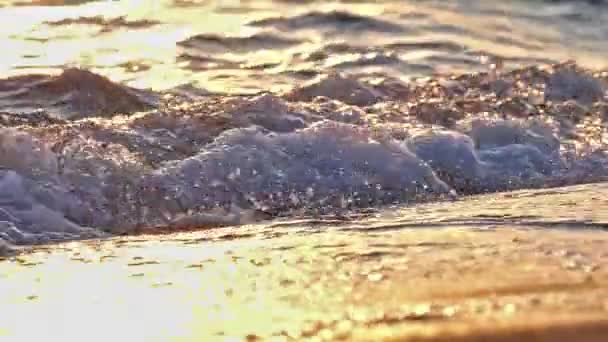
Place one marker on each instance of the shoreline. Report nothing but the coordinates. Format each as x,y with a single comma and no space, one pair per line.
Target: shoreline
370,279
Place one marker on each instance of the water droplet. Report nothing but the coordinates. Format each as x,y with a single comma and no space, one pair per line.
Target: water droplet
310,192
449,311
326,335
509,309
343,329
422,309
375,276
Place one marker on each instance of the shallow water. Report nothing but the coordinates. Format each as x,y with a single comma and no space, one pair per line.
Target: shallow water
485,268
131,115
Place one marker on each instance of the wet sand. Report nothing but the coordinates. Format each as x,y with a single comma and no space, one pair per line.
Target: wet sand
535,271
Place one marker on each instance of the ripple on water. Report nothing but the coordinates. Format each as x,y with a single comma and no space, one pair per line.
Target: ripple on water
333,20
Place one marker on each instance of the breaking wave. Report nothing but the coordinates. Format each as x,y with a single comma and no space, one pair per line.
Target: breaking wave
82,157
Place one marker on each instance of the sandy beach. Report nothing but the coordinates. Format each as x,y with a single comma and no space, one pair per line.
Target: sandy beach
469,277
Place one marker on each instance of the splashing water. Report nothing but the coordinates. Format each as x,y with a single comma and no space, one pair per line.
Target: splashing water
333,127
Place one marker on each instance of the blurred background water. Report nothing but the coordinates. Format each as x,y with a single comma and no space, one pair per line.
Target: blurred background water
248,46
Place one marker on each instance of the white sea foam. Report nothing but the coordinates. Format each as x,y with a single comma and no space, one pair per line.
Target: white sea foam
218,160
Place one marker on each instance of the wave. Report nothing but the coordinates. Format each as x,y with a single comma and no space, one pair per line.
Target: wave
105,24
213,43
335,20
75,93
102,158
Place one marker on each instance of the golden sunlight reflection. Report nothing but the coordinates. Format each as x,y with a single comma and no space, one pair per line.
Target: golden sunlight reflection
375,193
157,294
110,36
327,286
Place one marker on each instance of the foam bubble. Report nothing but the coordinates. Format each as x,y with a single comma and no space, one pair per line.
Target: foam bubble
336,86
254,168
568,84
339,144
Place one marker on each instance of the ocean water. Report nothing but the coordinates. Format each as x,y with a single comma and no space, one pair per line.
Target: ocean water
128,116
